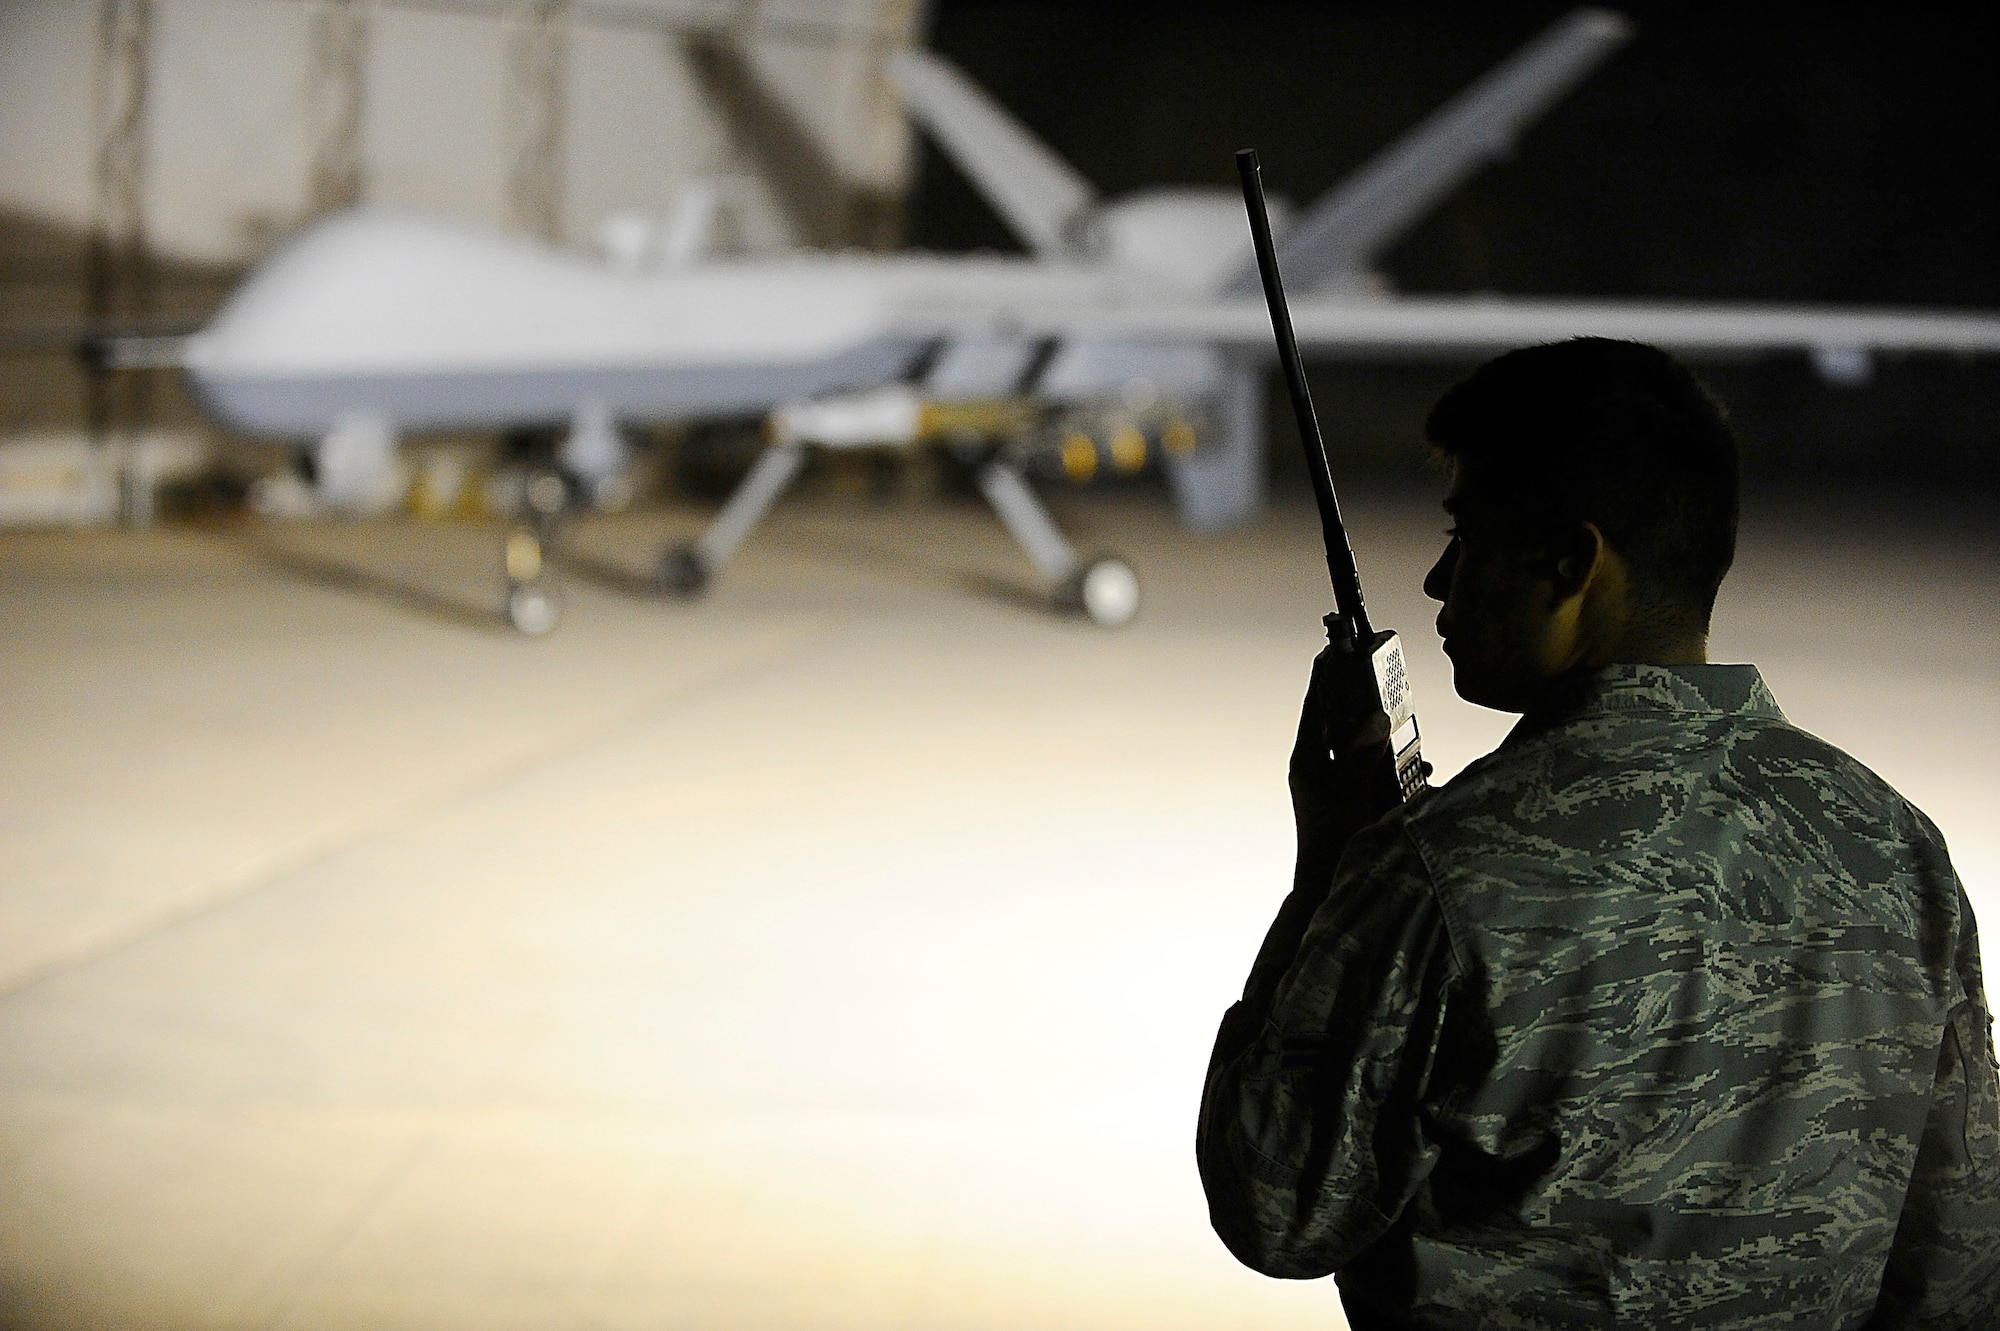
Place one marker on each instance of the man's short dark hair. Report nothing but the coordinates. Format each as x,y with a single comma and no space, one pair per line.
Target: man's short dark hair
1619,434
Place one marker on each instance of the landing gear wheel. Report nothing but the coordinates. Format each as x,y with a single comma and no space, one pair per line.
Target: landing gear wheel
683,572
533,609
1107,590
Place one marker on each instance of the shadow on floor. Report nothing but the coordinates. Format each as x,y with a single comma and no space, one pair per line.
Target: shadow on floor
609,576
899,567
335,575
1007,591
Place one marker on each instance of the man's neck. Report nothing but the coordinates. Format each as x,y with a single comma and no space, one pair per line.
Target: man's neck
1622,638
1680,650
1665,649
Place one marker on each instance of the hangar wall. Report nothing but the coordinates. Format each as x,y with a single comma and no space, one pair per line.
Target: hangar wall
151,149
230,119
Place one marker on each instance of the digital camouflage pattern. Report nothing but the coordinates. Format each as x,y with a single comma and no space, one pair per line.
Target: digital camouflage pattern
1663,1014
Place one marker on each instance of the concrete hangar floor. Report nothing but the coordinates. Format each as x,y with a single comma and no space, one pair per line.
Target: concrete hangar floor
841,951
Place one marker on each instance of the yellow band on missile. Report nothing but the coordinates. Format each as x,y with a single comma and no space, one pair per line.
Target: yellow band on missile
1128,448
1079,456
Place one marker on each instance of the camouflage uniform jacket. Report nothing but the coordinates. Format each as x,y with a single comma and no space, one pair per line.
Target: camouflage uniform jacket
1663,1014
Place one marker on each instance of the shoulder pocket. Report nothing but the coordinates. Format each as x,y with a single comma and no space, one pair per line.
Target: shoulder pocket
1972,1031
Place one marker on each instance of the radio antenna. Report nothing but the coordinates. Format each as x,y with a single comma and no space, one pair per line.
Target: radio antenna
1339,554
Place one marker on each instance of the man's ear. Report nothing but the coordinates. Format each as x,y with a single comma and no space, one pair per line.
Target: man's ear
1575,559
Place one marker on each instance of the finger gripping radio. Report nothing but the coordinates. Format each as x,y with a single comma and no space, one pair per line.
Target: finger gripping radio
1378,674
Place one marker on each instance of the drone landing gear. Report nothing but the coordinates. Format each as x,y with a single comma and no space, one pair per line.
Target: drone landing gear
683,572
534,609
686,570
1104,589
534,603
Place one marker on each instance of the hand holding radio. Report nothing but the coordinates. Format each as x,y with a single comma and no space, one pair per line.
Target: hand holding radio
1338,761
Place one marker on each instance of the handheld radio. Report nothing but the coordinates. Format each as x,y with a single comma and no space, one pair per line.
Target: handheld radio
1376,659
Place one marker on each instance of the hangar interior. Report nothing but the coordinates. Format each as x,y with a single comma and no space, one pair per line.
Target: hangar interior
843,949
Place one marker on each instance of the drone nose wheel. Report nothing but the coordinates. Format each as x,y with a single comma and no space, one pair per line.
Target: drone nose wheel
533,610
1106,590
533,607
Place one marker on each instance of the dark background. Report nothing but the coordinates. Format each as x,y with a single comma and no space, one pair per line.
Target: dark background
1795,153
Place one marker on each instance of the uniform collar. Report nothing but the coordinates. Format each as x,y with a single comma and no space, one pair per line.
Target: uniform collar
1680,690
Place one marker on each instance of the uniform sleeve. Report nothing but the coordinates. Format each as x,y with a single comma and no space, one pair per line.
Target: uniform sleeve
1310,1139
1944,1268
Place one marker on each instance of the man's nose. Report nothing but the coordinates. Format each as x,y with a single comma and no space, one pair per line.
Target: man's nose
1437,583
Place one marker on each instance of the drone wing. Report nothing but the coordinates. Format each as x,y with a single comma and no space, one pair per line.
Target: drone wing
1348,227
